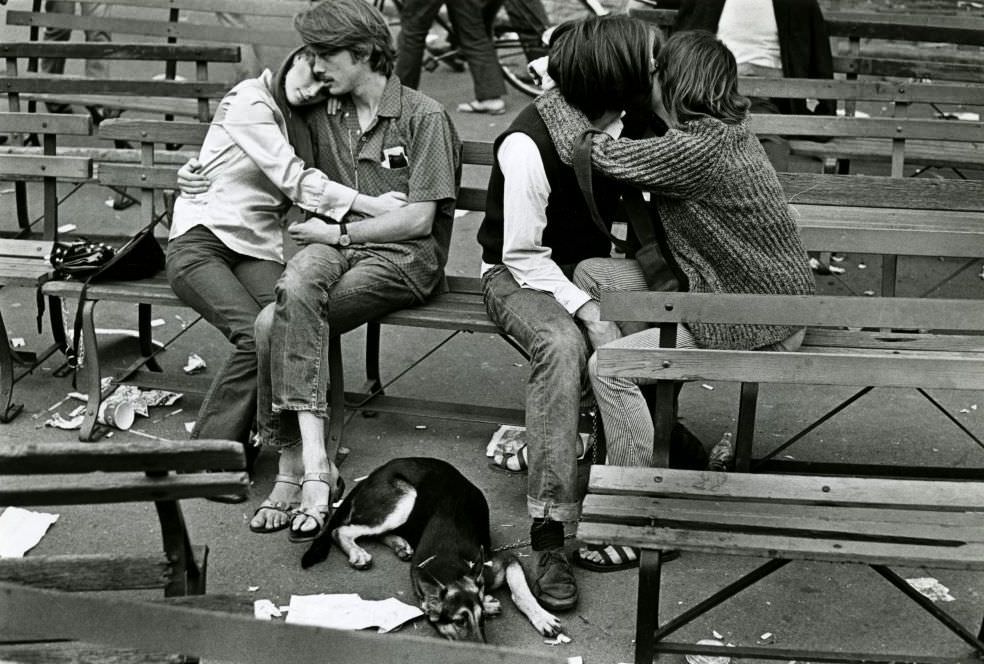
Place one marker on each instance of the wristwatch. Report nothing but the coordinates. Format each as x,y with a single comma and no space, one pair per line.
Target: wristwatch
344,239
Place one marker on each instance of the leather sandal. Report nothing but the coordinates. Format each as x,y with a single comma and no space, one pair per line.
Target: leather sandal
278,506
319,513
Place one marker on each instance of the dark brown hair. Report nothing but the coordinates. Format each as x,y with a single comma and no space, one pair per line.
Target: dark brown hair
698,77
602,63
333,26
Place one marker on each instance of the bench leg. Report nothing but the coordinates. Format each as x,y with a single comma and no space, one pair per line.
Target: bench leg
336,397
93,372
663,408
374,384
185,578
647,606
8,410
146,335
747,404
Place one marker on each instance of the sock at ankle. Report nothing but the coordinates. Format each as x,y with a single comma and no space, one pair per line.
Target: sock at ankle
546,534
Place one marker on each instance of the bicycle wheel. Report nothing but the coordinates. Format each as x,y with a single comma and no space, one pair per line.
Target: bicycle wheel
519,39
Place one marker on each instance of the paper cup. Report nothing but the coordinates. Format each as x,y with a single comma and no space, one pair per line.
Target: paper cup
116,412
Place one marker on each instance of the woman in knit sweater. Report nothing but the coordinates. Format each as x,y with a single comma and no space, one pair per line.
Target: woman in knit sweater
728,227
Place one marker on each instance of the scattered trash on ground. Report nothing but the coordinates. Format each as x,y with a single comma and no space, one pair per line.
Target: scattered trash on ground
931,588
558,640
349,611
708,659
194,365
21,530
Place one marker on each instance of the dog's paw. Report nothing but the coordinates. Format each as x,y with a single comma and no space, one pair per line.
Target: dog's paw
491,606
400,547
546,623
360,559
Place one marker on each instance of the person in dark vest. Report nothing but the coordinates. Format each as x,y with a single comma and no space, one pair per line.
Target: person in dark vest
536,229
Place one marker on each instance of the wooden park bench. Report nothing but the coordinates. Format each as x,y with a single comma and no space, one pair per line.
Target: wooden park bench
23,261
220,629
862,214
881,523
158,472
936,48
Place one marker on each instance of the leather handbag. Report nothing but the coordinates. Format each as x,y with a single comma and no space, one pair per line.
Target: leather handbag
141,257
657,271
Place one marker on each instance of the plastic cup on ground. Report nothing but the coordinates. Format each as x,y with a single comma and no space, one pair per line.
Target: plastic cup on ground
116,412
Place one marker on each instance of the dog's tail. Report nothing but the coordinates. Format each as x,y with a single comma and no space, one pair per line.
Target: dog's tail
321,545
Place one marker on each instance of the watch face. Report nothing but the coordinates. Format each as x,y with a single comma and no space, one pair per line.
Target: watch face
344,240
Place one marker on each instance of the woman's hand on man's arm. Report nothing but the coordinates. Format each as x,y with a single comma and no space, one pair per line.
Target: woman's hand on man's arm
375,206
190,179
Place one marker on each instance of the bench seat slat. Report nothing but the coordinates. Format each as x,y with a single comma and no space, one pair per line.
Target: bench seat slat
944,496
25,248
95,488
966,557
799,520
940,371
162,455
87,572
23,272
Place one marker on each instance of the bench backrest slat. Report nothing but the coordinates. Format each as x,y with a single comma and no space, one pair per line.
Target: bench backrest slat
122,87
918,68
894,128
45,123
120,51
950,496
154,131
115,487
883,192
282,8
805,88
810,310
42,166
75,457
870,25
150,28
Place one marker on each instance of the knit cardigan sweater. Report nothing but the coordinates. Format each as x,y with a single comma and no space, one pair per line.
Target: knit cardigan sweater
724,211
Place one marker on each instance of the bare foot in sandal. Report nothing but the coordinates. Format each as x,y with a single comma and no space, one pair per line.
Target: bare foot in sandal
275,512
518,463
318,492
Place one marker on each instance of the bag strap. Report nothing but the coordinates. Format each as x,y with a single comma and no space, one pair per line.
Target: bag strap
73,352
633,204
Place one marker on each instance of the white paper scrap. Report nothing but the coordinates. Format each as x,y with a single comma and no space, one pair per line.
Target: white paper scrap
21,530
931,588
264,609
349,611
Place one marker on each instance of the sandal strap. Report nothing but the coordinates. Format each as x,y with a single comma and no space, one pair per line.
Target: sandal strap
283,478
318,477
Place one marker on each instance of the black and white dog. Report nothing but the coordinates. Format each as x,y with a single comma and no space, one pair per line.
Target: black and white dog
430,514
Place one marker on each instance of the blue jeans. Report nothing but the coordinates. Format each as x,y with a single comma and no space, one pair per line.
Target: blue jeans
324,290
558,361
228,290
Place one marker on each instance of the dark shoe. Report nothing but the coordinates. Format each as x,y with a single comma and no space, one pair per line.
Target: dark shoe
554,585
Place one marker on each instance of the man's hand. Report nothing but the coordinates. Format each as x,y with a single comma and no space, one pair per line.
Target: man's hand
600,332
190,179
314,231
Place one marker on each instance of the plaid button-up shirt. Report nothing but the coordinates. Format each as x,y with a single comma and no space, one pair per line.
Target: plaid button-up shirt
412,147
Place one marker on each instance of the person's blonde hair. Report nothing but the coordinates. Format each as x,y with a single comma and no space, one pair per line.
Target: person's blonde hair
698,77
